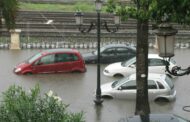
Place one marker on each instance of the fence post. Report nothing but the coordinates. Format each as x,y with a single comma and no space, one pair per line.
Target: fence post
15,39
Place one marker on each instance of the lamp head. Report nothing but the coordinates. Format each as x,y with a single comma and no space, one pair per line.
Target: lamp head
98,5
117,19
79,18
165,40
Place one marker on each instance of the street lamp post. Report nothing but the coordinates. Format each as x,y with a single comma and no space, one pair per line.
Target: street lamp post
79,21
165,36
98,99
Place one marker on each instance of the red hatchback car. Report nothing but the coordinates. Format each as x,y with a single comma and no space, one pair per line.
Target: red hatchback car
52,61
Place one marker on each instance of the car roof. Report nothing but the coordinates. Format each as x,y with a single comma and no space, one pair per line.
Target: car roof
154,56
115,45
150,76
151,55
119,45
59,50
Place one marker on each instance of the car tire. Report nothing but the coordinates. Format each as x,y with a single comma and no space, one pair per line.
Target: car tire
87,62
118,75
76,71
161,99
28,73
93,62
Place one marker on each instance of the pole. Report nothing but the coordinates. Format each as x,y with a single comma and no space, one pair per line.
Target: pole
98,100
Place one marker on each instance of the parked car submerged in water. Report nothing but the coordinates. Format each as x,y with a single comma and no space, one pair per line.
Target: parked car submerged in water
156,64
111,53
160,87
157,118
52,61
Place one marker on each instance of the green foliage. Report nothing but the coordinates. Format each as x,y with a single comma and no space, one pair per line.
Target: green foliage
43,7
156,10
78,6
111,6
9,9
171,11
140,11
20,106
83,6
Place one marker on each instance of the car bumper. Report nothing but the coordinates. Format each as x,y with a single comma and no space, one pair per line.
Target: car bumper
107,74
171,97
18,73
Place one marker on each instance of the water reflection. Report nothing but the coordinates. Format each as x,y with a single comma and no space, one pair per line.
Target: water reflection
98,114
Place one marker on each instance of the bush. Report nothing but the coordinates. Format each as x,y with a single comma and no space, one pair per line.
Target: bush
19,106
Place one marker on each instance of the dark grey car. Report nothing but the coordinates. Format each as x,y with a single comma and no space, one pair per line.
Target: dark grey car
111,53
157,118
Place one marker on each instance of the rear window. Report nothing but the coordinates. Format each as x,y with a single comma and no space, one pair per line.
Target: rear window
64,57
151,84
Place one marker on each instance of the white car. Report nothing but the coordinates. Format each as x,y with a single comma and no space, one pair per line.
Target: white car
156,64
160,87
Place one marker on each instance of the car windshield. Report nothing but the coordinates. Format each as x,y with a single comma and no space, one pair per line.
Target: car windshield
169,82
33,58
116,83
128,62
181,119
172,61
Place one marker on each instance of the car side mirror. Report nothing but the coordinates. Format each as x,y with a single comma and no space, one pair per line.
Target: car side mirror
119,88
132,66
38,63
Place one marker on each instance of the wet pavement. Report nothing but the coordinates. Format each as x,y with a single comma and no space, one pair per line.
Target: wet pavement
77,89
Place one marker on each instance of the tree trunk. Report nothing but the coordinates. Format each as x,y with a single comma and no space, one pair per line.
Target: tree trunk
1,16
142,103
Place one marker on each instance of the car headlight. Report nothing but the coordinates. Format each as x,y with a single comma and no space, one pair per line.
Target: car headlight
17,70
106,71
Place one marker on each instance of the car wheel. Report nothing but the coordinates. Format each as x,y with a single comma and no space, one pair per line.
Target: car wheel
28,73
118,75
87,61
93,62
76,71
161,99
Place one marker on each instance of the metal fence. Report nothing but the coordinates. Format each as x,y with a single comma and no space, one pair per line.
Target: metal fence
79,42
4,42
69,42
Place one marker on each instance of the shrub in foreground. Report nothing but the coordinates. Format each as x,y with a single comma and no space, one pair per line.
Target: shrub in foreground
21,106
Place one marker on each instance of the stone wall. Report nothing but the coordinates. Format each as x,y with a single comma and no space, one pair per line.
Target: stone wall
63,32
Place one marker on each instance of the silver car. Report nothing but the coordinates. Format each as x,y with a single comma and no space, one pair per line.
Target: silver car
160,87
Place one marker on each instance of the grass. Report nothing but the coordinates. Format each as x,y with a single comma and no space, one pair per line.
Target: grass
84,7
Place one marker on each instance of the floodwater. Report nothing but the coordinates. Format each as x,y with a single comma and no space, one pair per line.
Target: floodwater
77,89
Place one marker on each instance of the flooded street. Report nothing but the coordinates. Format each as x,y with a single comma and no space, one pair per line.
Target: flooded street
77,89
